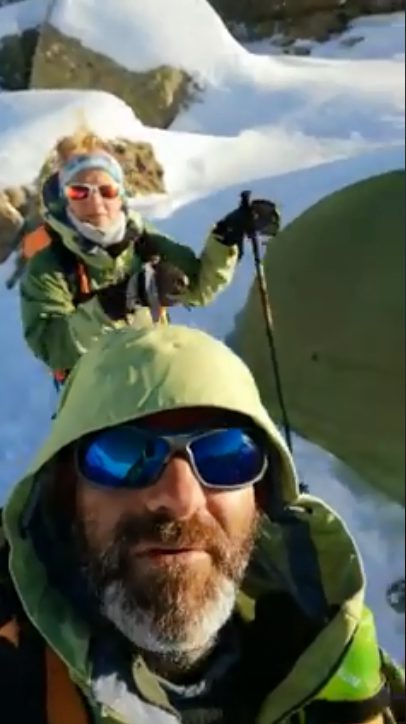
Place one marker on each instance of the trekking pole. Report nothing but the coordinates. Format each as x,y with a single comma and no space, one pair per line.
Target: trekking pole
266,308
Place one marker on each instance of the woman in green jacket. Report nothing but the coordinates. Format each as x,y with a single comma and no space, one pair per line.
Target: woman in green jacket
95,274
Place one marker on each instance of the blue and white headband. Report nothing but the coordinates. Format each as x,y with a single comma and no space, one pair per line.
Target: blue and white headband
83,162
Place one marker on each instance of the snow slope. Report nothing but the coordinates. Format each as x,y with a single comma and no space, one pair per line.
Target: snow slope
290,128
367,38
377,36
307,95
379,536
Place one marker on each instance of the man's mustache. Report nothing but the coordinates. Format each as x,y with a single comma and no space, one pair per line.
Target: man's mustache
156,530
114,562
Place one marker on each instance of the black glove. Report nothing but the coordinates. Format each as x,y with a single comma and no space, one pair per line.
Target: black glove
259,216
157,283
164,280
159,277
118,300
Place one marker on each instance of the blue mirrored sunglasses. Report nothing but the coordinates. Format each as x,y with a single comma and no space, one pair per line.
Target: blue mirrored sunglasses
130,457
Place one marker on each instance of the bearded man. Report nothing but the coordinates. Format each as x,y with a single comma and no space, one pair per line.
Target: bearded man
164,565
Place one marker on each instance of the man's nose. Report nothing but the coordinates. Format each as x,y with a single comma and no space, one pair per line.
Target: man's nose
177,492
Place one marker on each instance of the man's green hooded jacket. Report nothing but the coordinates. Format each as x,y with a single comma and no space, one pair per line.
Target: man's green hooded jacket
318,653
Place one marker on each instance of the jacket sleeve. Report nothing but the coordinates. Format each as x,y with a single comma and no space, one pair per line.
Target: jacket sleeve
208,274
56,331
359,691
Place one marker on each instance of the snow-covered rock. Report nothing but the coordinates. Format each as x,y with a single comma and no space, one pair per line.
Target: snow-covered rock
143,52
19,27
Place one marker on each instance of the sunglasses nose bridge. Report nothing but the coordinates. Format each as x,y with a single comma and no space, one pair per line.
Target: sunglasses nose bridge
177,448
95,190
95,196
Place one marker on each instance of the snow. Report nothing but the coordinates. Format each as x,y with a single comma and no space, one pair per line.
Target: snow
379,537
31,122
187,33
21,16
26,394
367,38
308,95
290,128
380,36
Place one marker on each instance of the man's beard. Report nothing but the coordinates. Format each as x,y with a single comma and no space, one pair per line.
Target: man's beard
172,609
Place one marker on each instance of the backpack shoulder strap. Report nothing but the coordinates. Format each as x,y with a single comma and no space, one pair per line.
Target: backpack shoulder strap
22,674
73,268
33,679
64,703
33,241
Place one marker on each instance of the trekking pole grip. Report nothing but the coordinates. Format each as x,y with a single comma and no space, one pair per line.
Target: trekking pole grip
245,204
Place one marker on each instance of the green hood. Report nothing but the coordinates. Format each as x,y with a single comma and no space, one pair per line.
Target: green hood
129,374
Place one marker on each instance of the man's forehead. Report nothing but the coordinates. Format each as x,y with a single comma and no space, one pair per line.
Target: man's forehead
190,417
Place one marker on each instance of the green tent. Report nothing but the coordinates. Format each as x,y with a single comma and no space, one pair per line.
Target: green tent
336,282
